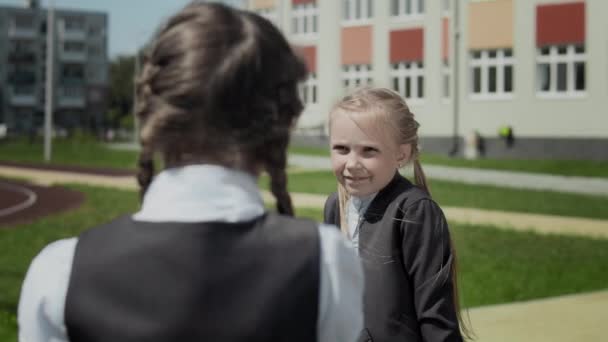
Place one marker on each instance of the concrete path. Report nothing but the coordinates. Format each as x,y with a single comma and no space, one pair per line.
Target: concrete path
524,180
580,317
572,318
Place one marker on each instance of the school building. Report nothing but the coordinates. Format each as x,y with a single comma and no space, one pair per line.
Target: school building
538,66
80,67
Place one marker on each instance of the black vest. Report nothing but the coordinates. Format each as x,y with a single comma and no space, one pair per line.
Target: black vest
138,281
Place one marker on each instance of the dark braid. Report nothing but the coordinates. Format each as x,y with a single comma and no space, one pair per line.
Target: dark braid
278,180
145,171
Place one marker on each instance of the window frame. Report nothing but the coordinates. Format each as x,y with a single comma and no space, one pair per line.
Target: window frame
309,89
414,71
349,11
270,13
401,14
481,59
305,20
570,58
354,74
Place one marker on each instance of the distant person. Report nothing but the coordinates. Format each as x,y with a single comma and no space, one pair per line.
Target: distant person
399,232
203,260
480,144
506,133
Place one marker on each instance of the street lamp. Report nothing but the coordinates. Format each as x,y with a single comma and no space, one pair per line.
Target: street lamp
456,82
48,115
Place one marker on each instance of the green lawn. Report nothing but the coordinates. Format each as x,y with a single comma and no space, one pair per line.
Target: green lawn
583,168
68,152
496,266
476,196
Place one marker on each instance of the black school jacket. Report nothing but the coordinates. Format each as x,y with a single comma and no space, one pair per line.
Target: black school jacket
404,245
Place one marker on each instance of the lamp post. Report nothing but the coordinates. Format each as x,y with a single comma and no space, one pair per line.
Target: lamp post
50,48
456,83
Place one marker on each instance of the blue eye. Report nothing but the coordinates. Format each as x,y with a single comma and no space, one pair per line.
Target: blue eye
340,148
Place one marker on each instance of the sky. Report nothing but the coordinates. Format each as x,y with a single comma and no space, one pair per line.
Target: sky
131,22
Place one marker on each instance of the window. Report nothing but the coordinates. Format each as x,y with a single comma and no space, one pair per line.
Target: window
25,90
22,45
407,8
96,31
491,73
408,79
25,22
73,23
72,91
95,50
268,13
357,10
445,6
75,47
72,71
305,19
356,75
308,90
560,70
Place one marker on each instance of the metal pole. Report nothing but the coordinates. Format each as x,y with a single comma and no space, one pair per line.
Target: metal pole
48,115
135,118
456,83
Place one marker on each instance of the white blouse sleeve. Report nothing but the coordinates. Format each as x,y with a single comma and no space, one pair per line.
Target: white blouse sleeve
43,293
341,288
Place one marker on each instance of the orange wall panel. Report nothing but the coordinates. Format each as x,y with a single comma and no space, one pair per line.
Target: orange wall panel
262,4
445,39
357,45
490,24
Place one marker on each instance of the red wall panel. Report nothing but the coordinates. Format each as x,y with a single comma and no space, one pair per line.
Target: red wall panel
560,24
300,2
407,45
309,53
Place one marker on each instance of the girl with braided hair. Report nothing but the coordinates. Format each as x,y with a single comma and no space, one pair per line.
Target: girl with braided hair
202,259
399,232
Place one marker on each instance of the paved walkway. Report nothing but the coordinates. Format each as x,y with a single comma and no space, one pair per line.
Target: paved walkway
572,318
524,180
580,317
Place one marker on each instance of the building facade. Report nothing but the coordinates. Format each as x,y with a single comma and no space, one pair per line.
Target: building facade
537,66
80,68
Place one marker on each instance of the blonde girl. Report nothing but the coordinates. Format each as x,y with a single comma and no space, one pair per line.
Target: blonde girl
399,232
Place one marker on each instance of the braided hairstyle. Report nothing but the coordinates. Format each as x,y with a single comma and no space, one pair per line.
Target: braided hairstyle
219,85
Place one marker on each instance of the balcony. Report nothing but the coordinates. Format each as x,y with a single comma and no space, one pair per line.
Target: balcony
23,96
22,32
71,97
71,33
22,78
22,57
73,56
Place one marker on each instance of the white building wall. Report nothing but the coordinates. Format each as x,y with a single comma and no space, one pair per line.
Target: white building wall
528,114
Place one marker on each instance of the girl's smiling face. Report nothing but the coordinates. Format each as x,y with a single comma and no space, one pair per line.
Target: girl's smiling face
364,153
